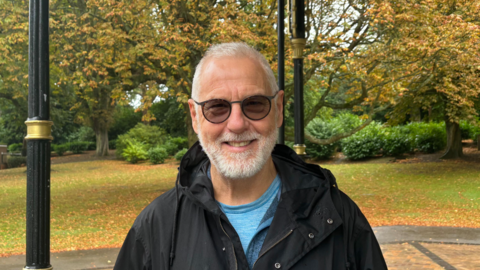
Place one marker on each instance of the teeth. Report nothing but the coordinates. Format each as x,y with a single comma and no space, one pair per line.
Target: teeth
239,144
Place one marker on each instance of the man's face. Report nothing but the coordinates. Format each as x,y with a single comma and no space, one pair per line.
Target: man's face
238,147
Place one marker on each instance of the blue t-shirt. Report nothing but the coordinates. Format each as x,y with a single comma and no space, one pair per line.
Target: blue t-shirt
251,221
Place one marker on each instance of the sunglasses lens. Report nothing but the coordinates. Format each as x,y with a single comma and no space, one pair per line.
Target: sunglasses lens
256,107
216,110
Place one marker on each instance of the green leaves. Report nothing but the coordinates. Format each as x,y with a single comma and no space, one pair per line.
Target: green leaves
134,152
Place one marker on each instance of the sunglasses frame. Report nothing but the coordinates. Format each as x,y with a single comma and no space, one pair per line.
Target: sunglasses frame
269,98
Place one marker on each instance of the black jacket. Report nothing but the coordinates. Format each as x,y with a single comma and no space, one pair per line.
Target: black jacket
185,229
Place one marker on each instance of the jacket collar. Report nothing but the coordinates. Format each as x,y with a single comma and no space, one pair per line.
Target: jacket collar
293,171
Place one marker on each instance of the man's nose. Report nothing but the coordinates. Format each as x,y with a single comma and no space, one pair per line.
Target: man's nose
237,122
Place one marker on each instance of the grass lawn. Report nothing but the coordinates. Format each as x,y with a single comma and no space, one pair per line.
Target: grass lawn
95,203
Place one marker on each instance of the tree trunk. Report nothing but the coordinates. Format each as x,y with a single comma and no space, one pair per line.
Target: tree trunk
101,134
454,141
192,136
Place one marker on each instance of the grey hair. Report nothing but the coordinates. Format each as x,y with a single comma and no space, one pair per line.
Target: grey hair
233,49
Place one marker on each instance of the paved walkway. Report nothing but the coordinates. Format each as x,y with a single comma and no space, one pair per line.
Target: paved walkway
404,247
412,247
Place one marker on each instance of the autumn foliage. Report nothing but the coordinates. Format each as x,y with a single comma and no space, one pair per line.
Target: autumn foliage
366,56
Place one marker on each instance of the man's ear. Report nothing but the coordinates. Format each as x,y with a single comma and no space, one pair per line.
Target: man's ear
193,114
279,105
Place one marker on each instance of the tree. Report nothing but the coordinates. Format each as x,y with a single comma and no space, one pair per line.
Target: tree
14,78
187,29
345,61
13,69
408,54
438,41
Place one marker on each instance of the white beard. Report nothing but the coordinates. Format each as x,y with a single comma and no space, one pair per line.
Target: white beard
239,165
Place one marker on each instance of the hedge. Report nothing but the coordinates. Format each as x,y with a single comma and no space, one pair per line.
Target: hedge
16,161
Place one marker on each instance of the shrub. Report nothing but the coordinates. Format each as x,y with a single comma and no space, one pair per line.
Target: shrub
465,127
16,161
170,147
82,134
148,135
124,119
179,155
60,149
174,145
134,151
16,147
475,134
91,145
428,137
365,143
470,130
181,142
396,141
320,130
157,155
77,147
112,144
324,129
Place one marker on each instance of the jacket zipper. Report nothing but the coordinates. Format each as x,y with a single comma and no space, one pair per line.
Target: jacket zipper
281,239
233,248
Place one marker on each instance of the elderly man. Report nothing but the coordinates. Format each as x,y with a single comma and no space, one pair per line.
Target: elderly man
240,201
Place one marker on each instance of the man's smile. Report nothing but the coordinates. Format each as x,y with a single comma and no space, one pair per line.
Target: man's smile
239,143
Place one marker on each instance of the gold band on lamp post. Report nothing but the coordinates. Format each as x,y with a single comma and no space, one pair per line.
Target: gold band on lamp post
39,130
300,149
298,46
50,268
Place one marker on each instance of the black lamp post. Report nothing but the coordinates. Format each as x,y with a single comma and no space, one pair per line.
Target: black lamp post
297,35
281,61
38,139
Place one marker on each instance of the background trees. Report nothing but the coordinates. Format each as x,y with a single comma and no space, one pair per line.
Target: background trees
404,60
438,41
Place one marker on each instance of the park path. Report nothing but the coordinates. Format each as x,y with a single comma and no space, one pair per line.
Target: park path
404,248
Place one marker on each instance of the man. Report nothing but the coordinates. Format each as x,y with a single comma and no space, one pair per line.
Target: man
237,204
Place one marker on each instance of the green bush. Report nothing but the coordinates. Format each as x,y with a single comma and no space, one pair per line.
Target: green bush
112,144
465,127
320,130
91,145
60,149
77,147
181,142
82,134
134,152
470,130
179,155
366,143
345,121
16,161
157,155
396,141
324,129
170,147
124,119
173,145
428,137
148,135
16,147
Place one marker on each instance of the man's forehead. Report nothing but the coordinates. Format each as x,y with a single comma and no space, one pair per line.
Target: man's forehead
233,72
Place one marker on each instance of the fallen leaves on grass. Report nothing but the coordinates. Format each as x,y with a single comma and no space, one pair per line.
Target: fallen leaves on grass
95,208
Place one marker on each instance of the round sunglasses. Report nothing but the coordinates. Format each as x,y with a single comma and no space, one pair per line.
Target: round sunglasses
217,111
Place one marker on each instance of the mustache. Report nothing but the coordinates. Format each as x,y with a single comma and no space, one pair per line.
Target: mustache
246,136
